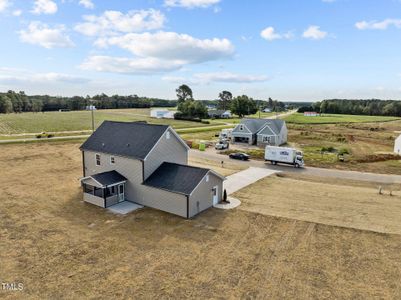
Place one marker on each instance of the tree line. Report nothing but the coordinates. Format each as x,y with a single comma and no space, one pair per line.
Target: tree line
18,102
373,107
241,105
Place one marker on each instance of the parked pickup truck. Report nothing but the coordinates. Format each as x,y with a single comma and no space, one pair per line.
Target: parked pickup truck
221,145
283,155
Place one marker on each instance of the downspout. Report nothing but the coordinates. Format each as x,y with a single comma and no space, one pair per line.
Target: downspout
187,206
104,196
83,162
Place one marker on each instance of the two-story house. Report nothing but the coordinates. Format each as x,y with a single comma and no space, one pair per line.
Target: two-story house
145,164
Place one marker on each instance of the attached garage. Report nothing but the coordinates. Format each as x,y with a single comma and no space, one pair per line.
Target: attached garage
188,190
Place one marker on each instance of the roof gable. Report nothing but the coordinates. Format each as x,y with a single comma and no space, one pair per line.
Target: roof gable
130,139
256,125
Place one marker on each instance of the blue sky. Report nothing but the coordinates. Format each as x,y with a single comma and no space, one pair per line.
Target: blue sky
284,49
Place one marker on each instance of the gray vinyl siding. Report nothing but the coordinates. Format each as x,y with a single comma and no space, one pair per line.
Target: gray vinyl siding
135,191
237,129
129,168
111,200
203,194
98,201
166,150
163,200
273,140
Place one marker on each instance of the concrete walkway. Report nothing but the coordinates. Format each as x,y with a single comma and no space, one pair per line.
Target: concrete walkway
246,177
124,208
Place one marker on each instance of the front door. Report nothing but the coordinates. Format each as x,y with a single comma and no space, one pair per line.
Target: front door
215,194
121,193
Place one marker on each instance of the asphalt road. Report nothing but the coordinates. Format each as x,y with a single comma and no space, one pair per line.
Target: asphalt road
352,175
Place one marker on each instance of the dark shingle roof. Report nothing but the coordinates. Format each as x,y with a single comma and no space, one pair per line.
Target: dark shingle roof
176,178
108,178
131,139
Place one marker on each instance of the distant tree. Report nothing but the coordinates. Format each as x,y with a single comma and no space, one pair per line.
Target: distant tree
184,93
270,103
243,105
37,105
225,100
193,109
6,106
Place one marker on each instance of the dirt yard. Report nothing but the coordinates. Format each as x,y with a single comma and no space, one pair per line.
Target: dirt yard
62,248
328,201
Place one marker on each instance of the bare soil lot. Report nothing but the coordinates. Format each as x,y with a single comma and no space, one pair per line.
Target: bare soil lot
62,248
328,201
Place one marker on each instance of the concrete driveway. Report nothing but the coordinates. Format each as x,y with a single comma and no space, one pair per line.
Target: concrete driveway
246,177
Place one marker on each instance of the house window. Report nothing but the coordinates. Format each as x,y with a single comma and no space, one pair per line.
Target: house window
97,159
207,178
241,127
112,160
168,135
266,139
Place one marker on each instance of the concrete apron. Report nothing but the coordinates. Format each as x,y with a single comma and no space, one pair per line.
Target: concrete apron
124,208
246,177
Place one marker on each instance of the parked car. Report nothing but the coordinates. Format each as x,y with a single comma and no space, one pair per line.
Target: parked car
221,145
240,156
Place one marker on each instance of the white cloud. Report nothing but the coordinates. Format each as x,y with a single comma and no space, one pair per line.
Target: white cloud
4,4
126,65
226,77
17,12
41,34
112,22
172,46
44,7
87,4
270,34
382,25
190,3
314,33
15,76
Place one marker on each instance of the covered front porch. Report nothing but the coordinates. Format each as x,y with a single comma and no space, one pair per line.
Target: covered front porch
104,189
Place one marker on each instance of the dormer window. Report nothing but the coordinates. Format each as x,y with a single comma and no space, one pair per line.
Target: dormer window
97,157
112,160
168,135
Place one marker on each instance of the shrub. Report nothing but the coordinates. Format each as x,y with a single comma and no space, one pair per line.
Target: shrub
205,122
39,136
49,136
343,151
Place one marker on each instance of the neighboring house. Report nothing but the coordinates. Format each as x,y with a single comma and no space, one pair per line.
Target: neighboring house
219,114
145,164
261,132
267,110
397,145
162,113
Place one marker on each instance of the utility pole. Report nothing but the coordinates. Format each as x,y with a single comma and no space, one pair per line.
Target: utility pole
93,119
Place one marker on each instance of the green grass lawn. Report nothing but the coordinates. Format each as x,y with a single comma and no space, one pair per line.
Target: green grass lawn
81,120
299,118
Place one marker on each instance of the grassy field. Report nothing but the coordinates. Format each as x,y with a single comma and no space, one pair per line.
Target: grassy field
81,120
62,248
299,118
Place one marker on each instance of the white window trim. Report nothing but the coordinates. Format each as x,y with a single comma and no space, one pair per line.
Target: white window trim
112,160
168,135
207,178
100,159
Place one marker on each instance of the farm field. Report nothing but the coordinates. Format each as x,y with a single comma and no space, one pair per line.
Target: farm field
299,118
327,201
60,247
370,145
81,120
